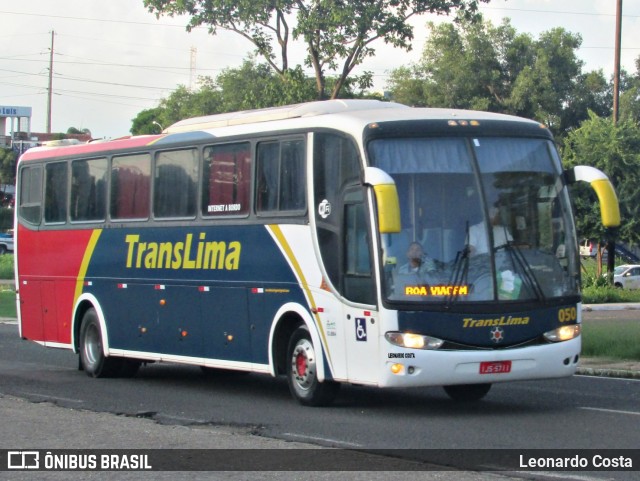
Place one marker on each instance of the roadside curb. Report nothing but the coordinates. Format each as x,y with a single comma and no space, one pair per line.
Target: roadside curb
626,306
608,372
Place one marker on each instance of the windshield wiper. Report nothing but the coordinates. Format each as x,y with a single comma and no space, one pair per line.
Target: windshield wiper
528,274
460,269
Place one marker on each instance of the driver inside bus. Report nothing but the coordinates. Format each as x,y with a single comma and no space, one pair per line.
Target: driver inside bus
420,270
418,262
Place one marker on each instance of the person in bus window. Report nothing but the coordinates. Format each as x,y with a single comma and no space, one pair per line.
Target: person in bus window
478,235
418,261
419,270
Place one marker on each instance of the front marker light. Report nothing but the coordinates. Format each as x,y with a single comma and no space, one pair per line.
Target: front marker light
564,333
413,341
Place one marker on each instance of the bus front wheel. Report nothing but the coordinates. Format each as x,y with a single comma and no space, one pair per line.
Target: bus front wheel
92,358
302,374
467,392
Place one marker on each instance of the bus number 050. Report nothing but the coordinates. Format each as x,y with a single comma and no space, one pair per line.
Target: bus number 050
568,314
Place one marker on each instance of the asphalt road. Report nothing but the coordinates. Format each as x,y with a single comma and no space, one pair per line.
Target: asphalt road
575,413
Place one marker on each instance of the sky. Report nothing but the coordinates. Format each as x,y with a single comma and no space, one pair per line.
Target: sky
113,59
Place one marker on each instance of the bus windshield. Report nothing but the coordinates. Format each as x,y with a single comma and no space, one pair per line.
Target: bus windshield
483,219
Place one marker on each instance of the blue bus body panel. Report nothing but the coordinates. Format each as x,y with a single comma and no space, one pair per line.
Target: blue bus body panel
209,292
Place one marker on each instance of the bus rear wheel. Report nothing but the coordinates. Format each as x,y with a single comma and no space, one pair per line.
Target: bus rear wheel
92,358
302,373
467,392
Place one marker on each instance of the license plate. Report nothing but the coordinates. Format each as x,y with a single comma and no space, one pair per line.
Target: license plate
495,367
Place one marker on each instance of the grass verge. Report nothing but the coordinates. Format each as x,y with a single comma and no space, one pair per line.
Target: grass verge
7,303
6,266
613,339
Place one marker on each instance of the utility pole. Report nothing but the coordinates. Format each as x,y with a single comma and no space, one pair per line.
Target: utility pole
192,68
50,89
611,243
616,66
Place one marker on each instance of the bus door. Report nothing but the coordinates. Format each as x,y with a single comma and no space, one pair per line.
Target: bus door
344,243
361,324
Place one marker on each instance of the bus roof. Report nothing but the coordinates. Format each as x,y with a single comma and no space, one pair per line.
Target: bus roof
330,113
90,148
351,116
309,109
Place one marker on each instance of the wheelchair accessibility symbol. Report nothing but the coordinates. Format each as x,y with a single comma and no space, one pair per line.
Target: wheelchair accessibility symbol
361,329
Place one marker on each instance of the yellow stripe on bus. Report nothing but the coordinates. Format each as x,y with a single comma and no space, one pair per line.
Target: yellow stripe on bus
88,253
277,232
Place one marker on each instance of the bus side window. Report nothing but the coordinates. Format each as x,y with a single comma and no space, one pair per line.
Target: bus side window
55,207
292,181
280,177
268,175
31,194
226,180
88,189
130,186
175,183
358,281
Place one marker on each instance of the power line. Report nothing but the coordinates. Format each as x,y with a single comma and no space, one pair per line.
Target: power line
64,77
116,84
66,91
103,95
556,12
102,20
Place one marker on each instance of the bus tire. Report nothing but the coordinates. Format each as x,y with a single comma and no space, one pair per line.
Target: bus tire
302,375
467,392
92,357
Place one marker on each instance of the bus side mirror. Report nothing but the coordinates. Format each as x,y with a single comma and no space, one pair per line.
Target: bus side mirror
600,183
387,201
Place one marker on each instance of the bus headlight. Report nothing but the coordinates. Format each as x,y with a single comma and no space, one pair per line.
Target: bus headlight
564,333
413,341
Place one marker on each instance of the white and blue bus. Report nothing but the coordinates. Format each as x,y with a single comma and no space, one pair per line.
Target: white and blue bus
333,242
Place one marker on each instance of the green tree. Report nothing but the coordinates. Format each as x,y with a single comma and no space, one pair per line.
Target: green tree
255,86
7,177
147,122
408,87
464,65
8,166
476,65
250,86
338,35
182,103
614,149
543,89
76,131
630,98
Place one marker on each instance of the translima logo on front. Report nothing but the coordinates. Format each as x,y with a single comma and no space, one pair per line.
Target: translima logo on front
187,254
